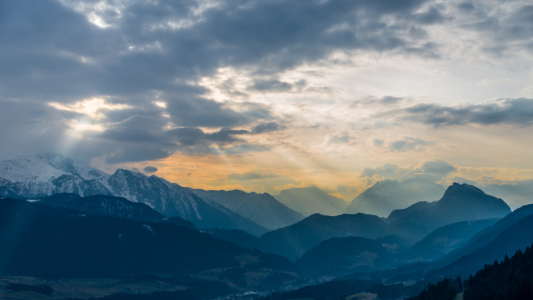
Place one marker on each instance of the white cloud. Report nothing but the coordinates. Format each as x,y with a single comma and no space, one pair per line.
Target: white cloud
90,107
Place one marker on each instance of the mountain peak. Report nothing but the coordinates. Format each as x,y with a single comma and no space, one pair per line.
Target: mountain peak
457,187
135,173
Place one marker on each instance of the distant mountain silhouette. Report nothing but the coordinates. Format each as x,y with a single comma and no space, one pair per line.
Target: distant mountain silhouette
295,240
311,200
341,256
48,174
56,242
387,195
445,239
263,209
460,202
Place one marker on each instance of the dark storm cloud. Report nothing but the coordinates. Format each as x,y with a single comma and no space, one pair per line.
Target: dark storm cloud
52,53
55,50
150,169
518,112
195,136
409,143
209,113
268,127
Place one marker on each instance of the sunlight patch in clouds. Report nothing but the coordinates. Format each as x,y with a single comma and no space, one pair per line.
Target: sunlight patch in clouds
160,104
90,107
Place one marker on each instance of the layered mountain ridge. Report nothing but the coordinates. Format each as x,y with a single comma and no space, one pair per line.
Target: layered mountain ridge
263,209
459,203
49,174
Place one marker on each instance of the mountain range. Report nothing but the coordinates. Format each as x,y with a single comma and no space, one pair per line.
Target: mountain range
60,218
262,209
388,195
48,174
459,203
507,235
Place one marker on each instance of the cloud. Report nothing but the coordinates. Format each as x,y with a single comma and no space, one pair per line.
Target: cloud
135,54
254,181
268,127
126,64
91,107
518,112
432,170
435,168
150,169
270,85
378,142
251,176
409,143
145,48
502,30
343,138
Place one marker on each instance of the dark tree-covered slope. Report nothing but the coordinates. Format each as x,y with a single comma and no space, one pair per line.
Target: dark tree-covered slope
341,256
117,207
56,242
295,240
445,239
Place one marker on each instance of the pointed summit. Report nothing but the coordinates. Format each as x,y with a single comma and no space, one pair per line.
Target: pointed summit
461,202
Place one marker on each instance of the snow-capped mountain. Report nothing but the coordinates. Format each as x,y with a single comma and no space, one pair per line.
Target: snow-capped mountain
48,174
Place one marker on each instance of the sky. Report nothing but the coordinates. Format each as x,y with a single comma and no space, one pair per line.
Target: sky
268,95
